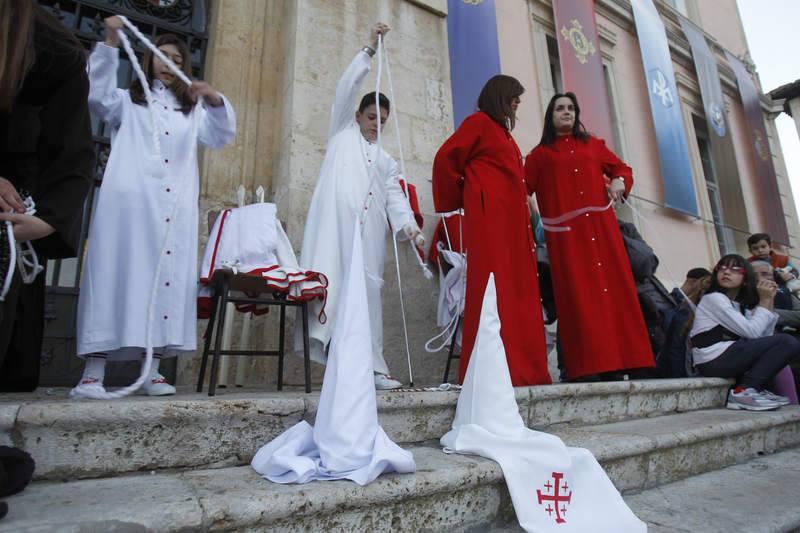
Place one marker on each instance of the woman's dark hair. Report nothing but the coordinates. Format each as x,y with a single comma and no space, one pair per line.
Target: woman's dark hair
178,88
496,98
26,27
549,131
748,295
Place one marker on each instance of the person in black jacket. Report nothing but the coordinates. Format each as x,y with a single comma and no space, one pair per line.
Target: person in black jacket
46,150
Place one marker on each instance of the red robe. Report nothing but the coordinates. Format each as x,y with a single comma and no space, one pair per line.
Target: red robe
480,169
601,327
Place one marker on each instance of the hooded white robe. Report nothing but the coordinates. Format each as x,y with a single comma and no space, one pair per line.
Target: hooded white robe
345,190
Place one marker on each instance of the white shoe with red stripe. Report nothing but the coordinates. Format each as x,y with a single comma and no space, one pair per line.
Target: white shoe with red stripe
88,388
157,386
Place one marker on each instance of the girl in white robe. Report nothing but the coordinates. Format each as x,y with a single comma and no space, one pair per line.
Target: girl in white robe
135,206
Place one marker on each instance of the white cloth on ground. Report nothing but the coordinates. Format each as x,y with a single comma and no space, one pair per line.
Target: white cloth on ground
346,442
345,192
132,213
552,487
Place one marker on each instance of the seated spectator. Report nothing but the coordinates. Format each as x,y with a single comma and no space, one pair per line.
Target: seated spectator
732,335
787,305
674,359
696,283
760,246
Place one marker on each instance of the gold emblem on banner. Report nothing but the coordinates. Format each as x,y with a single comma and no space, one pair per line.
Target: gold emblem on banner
760,145
583,47
472,2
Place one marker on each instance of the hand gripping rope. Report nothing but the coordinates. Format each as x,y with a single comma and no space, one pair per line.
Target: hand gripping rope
121,393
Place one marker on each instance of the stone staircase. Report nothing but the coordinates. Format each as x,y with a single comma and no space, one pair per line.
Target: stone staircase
180,464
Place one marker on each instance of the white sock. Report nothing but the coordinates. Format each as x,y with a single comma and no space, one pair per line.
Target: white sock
153,366
95,368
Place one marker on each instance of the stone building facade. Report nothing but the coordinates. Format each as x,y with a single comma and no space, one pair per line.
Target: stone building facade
278,62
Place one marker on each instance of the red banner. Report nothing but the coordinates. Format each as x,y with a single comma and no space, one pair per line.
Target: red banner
582,64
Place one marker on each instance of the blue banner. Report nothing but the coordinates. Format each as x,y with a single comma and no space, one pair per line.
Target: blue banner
665,106
474,52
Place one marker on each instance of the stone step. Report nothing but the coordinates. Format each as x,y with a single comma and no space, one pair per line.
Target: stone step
760,495
76,439
447,493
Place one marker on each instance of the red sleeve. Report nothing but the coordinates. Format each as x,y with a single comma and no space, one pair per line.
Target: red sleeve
450,162
533,167
613,166
411,193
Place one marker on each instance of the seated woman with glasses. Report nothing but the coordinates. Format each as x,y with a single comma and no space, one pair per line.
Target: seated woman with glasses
732,335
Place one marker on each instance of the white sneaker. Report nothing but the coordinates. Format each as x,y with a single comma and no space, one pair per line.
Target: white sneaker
157,386
386,382
89,388
750,399
777,398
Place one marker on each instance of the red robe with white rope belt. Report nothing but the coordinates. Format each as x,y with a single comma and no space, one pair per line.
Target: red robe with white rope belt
480,169
600,323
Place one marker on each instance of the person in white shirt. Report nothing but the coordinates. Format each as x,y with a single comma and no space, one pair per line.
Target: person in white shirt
142,195
732,335
358,181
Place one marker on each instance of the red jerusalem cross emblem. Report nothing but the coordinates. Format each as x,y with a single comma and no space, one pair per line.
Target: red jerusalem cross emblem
555,498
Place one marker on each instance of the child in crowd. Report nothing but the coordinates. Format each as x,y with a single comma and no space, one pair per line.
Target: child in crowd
760,246
137,204
732,335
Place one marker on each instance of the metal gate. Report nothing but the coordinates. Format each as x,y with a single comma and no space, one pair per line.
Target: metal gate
185,18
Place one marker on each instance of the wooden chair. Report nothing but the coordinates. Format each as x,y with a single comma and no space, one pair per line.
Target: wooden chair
223,283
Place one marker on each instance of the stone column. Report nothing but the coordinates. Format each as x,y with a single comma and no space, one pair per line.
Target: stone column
794,108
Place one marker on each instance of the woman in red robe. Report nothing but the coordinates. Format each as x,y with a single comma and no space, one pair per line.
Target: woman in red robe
480,169
600,324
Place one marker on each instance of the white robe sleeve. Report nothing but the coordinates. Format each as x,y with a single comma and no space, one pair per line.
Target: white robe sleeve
398,207
346,92
760,322
217,126
106,100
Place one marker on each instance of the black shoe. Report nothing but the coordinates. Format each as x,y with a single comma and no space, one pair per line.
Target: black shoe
3,509
8,258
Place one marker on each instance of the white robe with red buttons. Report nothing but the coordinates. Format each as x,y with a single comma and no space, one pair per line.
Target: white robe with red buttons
134,208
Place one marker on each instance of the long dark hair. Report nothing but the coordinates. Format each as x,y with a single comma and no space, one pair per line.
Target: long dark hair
549,131
25,27
748,295
496,98
178,88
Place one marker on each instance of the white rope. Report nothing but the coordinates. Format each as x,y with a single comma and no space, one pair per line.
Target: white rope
553,224
148,362
425,270
380,53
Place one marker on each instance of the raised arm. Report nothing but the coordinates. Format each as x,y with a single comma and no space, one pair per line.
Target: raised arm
105,98
344,106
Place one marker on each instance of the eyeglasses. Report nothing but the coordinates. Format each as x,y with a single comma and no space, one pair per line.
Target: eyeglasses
729,268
